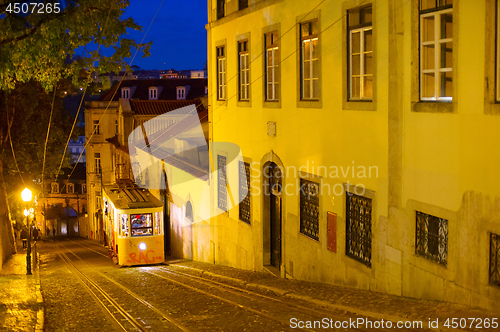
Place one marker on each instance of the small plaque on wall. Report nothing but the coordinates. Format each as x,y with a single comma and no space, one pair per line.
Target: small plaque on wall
331,230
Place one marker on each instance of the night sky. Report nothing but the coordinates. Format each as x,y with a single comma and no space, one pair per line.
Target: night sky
178,33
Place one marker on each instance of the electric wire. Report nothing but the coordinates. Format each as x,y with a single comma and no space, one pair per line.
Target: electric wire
112,97
46,140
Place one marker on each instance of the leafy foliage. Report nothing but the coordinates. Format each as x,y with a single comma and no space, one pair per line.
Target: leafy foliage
36,46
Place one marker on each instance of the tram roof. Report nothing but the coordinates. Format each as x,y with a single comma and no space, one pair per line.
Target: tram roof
132,198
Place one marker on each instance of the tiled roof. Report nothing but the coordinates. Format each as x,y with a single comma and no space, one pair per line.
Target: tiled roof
169,91
158,107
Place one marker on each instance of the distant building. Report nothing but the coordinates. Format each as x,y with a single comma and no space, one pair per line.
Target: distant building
110,120
63,204
75,148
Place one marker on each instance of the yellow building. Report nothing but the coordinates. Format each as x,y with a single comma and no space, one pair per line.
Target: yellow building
369,130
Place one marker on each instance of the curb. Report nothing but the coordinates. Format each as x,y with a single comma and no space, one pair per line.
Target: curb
311,300
40,315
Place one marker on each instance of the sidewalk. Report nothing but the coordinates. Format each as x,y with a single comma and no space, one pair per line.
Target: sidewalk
376,306
21,303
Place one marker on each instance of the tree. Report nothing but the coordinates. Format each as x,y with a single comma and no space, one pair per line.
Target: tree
34,51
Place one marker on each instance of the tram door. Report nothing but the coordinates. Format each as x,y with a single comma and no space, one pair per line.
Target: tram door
275,207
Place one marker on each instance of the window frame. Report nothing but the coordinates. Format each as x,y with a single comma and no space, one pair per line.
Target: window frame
181,96
242,4
126,93
97,163
275,66
153,93
244,73
222,182
52,186
96,128
360,28
314,36
221,72
221,9
68,186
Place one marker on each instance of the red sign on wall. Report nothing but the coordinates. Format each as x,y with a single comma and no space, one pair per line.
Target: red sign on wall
331,230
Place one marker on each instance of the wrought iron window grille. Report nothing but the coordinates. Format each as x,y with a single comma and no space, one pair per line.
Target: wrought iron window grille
244,205
222,180
431,240
309,209
494,259
359,228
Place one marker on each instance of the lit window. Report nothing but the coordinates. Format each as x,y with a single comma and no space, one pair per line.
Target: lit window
221,73
309,64
126,93
244,206
244,81
70,189
141,224
123,219
55,188
96,127
360,54
309,209
84,188
431,240
436,46
116,126
272,66
181,92
153,93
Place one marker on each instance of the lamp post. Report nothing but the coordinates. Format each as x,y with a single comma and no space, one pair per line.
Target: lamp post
26,196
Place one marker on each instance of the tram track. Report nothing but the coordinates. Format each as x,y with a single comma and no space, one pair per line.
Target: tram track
216,289
119,316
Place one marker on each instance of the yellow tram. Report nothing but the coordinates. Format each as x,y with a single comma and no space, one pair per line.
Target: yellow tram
133,225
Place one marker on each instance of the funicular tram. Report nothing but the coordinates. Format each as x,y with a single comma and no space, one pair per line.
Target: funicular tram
133,221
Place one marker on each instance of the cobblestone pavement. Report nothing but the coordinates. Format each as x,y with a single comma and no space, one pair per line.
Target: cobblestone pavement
185,293
21,304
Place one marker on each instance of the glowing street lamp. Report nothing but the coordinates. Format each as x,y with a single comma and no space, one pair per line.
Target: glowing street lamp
26,196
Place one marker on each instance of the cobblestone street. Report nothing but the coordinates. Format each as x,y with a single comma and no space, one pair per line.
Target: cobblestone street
83,290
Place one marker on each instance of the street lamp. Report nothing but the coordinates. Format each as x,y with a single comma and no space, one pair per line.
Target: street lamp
26,196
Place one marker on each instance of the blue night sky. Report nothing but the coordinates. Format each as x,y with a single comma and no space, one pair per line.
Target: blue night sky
178,33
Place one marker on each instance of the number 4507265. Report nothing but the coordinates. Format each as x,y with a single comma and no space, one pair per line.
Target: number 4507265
33,7
478,323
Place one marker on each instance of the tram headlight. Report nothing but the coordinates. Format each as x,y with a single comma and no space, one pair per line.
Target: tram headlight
142,246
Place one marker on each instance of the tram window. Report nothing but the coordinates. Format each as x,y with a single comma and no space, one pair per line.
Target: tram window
142,224
124,224
158,223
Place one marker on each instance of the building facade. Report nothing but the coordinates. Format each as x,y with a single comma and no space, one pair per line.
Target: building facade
111,120
369,132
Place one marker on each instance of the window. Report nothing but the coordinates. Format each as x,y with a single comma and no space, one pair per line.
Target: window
494,259
124,224
70,189
431,240
309,209
84,188
309,66
206,89
436,45
126,93
221,9
181,92
221,185
84,208
272,66
189,211
158,222
153,93
221,73
359,228
242,4
96,127
116,126
244,205
142,224
243,65
97,157
360,54
54,188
